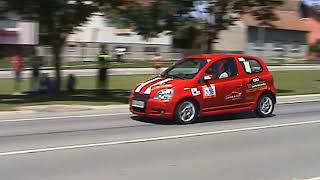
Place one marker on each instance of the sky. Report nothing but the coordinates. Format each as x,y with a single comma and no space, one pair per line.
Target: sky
312,2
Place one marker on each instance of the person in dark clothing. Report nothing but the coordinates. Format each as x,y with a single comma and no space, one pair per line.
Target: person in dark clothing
71,83
104,59
35,64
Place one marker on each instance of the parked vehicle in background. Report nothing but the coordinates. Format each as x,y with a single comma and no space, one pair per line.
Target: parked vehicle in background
204,85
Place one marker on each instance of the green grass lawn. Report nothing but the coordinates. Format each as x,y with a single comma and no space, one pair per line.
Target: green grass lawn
297,82
288,83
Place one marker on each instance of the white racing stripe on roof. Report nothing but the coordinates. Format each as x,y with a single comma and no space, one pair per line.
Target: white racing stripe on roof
144,84
148,91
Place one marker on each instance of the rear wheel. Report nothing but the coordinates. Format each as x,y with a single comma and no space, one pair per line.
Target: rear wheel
265,106
186,112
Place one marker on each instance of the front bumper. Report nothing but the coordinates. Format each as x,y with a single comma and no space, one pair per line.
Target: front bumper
153,108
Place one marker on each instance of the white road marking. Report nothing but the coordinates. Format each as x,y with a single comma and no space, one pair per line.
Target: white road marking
315,178
70,147
304,101
63,117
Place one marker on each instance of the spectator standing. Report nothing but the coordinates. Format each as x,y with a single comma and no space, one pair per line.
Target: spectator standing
71,83
17,68
158,62
104,59
35,64
120,52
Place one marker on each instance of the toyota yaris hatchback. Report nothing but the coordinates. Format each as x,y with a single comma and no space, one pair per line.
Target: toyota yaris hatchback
205,85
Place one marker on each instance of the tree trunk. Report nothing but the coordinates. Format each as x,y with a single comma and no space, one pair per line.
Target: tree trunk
212,36
57,49
209,44
57,64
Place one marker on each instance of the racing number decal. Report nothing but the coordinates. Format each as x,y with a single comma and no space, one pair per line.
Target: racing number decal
209,91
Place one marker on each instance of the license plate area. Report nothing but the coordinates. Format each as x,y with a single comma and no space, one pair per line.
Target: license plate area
138,104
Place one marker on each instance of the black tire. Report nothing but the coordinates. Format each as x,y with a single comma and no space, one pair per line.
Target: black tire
265,106
186,112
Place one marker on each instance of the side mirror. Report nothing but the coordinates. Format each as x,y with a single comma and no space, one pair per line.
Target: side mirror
207,77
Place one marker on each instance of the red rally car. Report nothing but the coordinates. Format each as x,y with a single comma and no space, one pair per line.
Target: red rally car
204,85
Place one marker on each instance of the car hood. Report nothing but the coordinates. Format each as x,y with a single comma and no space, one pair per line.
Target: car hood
158,83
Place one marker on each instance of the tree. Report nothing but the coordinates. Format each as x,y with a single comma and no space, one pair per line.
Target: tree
158,16
57,19
3,6
150,18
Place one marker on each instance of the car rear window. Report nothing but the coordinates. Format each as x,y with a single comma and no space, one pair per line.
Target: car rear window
250,66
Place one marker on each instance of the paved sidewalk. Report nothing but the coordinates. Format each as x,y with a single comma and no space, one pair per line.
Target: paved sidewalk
141,71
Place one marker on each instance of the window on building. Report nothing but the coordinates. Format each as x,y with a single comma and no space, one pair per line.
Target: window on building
250,66
123,32
122,49
296,47
72,47
224,68
278,46
151,49
258,44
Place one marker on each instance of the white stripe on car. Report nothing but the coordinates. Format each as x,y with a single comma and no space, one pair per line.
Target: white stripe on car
148,91
144,84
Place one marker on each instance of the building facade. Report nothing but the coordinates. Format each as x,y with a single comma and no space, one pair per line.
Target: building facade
286,38
17,34
86,41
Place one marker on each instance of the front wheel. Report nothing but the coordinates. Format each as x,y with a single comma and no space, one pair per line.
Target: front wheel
186,112
265,106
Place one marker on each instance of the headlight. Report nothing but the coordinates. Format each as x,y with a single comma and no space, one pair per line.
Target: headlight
164,94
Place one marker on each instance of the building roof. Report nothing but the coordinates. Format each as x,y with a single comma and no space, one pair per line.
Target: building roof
288,20
314,27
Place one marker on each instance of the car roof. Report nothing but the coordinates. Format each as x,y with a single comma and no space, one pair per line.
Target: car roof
218,56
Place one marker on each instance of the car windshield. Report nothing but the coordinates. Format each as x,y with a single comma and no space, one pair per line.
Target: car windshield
185,69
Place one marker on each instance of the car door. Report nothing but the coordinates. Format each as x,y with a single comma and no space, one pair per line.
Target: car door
225,88
255,80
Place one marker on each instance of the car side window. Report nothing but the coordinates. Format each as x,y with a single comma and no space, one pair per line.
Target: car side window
224,68
250,66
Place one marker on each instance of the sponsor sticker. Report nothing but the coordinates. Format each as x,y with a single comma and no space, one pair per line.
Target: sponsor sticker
234,96
254,80
256,84
209,91
195,92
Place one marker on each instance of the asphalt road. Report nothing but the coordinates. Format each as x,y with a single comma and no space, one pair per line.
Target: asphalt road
131,71
116,145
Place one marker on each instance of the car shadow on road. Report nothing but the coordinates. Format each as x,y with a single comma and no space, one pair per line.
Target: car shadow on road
216,118
153,120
